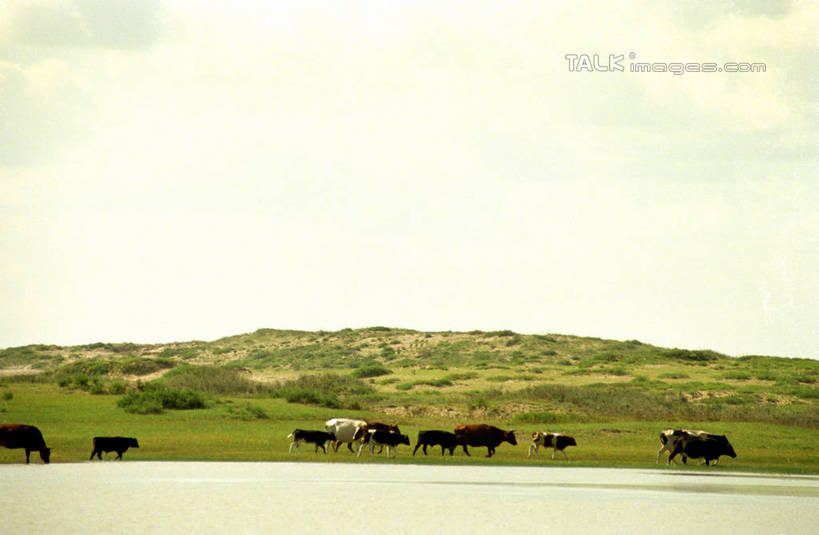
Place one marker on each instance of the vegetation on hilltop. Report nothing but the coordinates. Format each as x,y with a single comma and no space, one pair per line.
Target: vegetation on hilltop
495,375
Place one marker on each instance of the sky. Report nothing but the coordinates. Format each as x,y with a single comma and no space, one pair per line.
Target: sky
175,170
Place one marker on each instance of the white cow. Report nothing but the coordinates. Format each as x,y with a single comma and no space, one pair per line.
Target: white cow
670,437
346,430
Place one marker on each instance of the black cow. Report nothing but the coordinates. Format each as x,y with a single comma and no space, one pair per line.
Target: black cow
385,438
319,438
445,439
483,435
709,448
117,444
30,438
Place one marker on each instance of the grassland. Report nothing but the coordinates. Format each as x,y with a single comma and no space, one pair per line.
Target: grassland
244,394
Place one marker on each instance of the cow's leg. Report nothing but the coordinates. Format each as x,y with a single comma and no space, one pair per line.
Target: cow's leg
119,455
92,455
554,450
489,451
466,450
660,452
293,445
28,454
566,457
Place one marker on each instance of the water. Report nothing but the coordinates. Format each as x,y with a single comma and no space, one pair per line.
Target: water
301,498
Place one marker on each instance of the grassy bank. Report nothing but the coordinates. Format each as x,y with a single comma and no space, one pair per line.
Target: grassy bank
228,431
237,398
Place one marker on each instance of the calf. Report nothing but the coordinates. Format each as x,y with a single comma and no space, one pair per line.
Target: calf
28,437
445,439
709,448
556,441
117,444
385,438
376,426
319,438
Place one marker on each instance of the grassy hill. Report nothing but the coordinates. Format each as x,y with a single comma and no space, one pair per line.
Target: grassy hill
500,375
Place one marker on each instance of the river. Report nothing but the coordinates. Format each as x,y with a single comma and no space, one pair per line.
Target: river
303,498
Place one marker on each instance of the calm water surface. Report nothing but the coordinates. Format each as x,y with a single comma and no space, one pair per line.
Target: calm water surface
300,498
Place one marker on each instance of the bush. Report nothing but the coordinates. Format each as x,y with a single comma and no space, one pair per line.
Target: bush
210,379
247,411
370,371
148,401
117,388
327,390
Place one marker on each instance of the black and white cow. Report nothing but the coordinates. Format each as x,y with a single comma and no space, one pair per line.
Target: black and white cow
670,437
319,438
556,441
385,438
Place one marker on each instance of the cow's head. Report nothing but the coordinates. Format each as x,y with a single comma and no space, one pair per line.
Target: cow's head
509,436
45,455
132,442
567,441
729,450
404,440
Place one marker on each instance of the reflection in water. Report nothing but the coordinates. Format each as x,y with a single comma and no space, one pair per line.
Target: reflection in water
135,497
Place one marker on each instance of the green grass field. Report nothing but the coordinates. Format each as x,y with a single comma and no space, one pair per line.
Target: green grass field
614,397
224,432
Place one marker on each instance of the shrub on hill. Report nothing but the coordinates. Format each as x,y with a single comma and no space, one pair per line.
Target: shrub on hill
153,400
326,389
211,379
370,371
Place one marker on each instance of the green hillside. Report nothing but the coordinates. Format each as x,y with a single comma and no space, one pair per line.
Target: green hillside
497,375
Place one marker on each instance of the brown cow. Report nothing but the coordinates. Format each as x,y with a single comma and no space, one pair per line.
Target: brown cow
15,436
483,435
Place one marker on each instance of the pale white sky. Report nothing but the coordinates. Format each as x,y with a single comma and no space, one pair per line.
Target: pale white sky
172,170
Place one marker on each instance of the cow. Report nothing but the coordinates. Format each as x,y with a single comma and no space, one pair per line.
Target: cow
376,426
709,448
385,438
345,430
117,444
481,435
319,438
556,441
670,437
432,437
28,437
